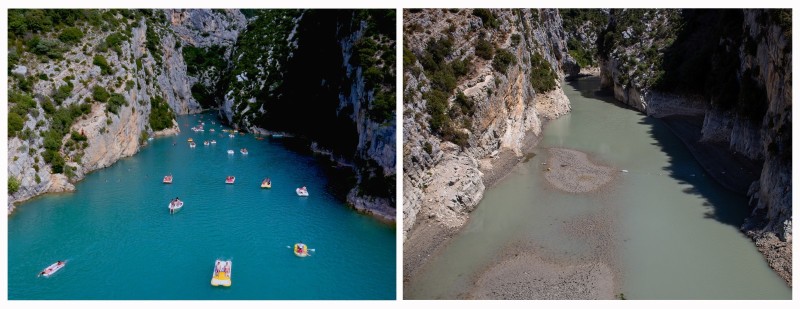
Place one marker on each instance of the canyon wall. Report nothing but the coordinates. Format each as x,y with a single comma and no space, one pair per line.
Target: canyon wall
732,68
478,85
87,97
89,87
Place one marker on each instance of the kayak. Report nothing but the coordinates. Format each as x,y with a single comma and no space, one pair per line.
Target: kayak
222,273
301,192
52,269
299,252
174,207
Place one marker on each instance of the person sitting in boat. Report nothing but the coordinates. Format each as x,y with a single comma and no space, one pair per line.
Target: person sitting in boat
269,182
60,263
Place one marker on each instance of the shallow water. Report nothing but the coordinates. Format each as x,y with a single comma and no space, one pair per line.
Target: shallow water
121,242
677,229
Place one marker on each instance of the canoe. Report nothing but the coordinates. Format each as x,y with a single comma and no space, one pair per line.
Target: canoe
52,269
222,273
174,207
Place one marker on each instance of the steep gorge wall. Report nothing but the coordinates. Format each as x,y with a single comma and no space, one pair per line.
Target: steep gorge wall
328,76
733,69
145,69
478,85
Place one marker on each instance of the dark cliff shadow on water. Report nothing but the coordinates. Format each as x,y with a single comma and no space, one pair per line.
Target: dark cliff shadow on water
722,205
682,166
342,178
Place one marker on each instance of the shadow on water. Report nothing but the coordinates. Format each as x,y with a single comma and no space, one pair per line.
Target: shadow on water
682,165
342,177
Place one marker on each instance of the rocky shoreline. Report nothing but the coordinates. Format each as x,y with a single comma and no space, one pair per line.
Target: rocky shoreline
430,235
522,270
59,183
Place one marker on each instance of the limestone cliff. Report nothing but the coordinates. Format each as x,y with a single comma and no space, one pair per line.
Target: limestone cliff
89,86
478,85
89,90
731,68
327,76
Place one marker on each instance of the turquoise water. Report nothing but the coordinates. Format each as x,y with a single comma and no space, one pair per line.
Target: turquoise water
120,241
677,229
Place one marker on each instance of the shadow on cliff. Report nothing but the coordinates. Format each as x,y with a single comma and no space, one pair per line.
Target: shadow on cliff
682,166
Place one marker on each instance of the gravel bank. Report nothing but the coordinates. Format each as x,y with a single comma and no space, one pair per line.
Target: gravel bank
572,171
527,276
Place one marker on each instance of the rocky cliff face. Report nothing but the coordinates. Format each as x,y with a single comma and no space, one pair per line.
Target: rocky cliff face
119,76
731,67
478,85
107,90
340,66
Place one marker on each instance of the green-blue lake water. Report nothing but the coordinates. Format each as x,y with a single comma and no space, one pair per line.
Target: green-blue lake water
120,241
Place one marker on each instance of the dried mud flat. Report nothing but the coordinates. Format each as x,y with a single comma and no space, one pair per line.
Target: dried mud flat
527,276
527,270
572,171
530,271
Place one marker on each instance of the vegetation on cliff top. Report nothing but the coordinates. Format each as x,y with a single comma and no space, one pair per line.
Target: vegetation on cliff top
583,23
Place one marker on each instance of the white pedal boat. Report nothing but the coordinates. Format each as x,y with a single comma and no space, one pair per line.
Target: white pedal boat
175,206
301,191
